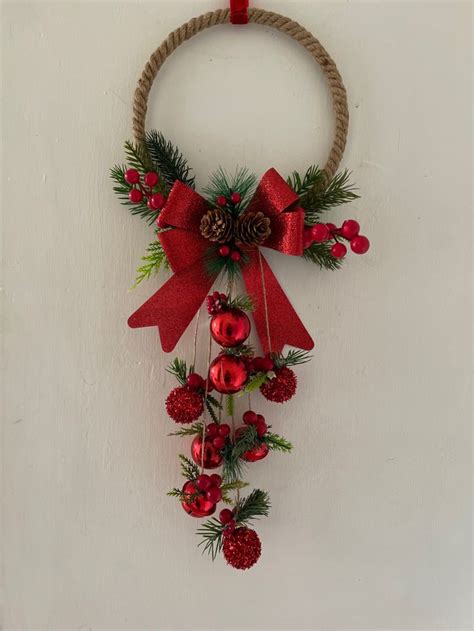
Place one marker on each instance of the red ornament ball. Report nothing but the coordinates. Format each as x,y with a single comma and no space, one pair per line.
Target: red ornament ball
214,494
200,506
184,405
135,196
339,250
151,179
350,229
320,233
230,328
360,244
282,387
132,176
228,374
212,455
258,452
242,548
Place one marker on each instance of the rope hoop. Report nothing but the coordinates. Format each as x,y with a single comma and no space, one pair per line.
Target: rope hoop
265,18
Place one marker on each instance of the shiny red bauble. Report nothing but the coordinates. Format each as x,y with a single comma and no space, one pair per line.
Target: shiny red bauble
282,387
230,328
184,405
212,456
258,452
360,244
199,506
228,374
242,548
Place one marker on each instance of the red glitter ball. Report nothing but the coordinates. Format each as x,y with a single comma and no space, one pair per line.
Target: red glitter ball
183,405
282,387
242,548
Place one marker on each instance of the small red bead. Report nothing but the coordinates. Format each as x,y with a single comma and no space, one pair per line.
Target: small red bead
224,250
224,430
214,495
135,196
221,200
225,516
339,250
194,381
212,430
261,428
151,179
203,482
216,479
307,238
132,176
218,442
350,229
236,198
157,201
320,233
235,256
250,418
360,244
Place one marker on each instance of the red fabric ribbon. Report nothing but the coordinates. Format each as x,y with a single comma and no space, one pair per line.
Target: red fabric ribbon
239,11
175,304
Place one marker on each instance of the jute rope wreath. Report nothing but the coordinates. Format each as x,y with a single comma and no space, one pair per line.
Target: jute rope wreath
217,238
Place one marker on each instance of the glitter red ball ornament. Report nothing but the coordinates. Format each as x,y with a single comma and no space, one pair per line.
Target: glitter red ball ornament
200,506
212,455
281,387
228,374
230,328
242,548
183,405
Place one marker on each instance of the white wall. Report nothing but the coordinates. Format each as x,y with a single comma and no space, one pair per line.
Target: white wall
370,526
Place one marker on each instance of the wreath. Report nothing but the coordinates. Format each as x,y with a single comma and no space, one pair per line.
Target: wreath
215,237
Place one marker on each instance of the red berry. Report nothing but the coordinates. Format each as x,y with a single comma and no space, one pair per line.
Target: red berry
221,201
132,176
320,233
151,179
225,516
194,381
250,418
157,201
260,418
214,495
331,227
236,198
218,442
350,229
360,244
216,479
203,482
307,238
261,428
267,364
224,430
224,250
135,196
229,528
339,250
212,430
236,256
258,364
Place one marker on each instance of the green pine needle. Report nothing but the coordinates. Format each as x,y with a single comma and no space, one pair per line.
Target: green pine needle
256,382
179,369
255,505
229,404
190,430
189,469
320,254
292,358
211,532
242,301
277,443
137,157
153,261
168,159
223,184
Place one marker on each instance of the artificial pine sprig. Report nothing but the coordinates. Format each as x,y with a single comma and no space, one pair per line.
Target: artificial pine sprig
276,442
339,191
255,382
292,358
179,369
189,469
168,159
241,301
233,464
223,185
212,532
190,430
304,185
153,261
320,254
122,189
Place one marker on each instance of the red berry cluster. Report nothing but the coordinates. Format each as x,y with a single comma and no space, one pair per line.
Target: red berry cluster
216,303
234,254
233,200
144,190
261,364
322,232
218,434
251,418
210,485
226,517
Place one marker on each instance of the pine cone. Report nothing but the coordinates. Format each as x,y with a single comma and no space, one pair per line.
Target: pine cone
252,228
217,225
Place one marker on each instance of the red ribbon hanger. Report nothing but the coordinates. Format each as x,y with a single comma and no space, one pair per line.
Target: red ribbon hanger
239,11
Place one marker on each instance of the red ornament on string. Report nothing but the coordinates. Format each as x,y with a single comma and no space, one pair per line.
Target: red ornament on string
228,374
258,452
242,548
199,506
281,387
212,455
184,405
230,328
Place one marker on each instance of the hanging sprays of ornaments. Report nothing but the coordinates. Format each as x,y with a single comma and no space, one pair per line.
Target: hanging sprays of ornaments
218,237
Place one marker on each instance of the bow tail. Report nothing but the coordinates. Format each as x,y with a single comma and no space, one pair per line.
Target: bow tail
174,305
283,321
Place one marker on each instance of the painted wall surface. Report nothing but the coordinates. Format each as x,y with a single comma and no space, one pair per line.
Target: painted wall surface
370,525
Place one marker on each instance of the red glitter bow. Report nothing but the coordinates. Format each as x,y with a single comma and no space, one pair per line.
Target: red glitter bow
175,304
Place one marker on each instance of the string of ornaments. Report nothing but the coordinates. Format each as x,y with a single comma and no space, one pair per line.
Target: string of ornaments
215,238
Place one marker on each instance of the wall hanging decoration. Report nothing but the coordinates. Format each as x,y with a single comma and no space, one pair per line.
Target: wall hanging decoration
215,238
